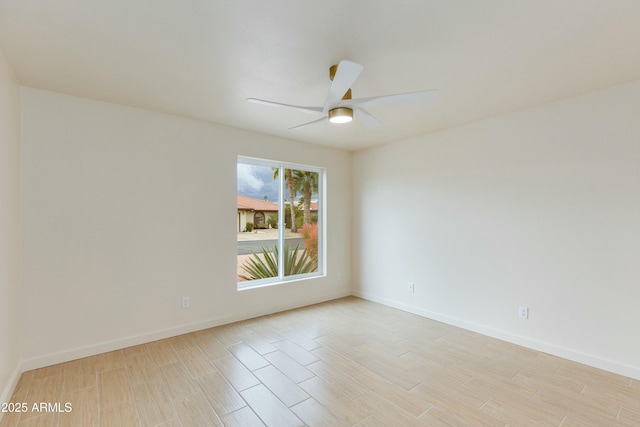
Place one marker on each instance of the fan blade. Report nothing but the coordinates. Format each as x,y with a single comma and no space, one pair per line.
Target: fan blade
400,98
308,110
346,75
365,117
310,123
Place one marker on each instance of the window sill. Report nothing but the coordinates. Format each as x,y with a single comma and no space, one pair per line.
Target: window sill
255,284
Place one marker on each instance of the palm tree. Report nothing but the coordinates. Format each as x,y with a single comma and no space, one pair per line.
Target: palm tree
288,175
307,183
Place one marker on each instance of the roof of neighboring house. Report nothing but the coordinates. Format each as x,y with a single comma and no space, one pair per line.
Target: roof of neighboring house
313,207
250,204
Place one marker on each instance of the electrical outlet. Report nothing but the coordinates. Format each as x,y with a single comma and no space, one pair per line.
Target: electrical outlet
186,303
410,287
523,312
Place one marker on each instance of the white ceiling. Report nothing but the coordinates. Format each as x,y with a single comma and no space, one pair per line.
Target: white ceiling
202,59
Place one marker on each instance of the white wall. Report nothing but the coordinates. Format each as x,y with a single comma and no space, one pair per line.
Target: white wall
9,229
125,211
539,207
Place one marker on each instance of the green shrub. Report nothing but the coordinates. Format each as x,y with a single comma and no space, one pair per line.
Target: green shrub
250,226
265,264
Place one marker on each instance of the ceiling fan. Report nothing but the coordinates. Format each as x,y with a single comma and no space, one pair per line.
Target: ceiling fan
339,107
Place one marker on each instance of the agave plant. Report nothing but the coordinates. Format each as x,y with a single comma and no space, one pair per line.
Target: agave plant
264,264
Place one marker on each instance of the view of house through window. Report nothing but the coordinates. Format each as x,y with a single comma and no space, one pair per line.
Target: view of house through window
279,221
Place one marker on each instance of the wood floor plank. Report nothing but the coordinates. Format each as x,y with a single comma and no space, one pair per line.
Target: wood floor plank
22,387
269,408
171,423
259,343
121,414
230,334
347,383
49,371
10,419
182,342
297,353
42,420
244,417
394,394
521,412
153,404
501,390
194,411
248,356
80,374
371,421
280,385
114,388
629,416
440,417
338,361
44,389
209,345
303,340
179,381
393,374
134,350
622,394
141,368
387,411
84,408
315,415
236,373
577,403
533,379
222,397
295,371
428,373
109,361
336,402
591,375
162,353
346,362
196,362
266,331
417,356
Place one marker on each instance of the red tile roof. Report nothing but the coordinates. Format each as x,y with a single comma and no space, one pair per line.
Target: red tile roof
251,204
248,204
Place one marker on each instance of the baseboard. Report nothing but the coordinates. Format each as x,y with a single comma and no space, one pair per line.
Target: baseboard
91,350
555,350
11,386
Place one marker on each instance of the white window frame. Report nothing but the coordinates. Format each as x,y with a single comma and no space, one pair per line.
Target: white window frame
281,278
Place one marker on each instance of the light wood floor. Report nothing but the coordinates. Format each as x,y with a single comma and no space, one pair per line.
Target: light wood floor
348,362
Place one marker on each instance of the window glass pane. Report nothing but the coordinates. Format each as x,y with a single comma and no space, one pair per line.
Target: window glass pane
301,239
258,202
279,216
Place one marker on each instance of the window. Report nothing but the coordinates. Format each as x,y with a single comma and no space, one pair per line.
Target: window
280,222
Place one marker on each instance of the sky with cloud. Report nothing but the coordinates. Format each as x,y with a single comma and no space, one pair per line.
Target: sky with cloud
257,182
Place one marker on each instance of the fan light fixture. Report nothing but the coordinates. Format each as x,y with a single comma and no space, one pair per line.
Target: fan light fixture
340,115
339,106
